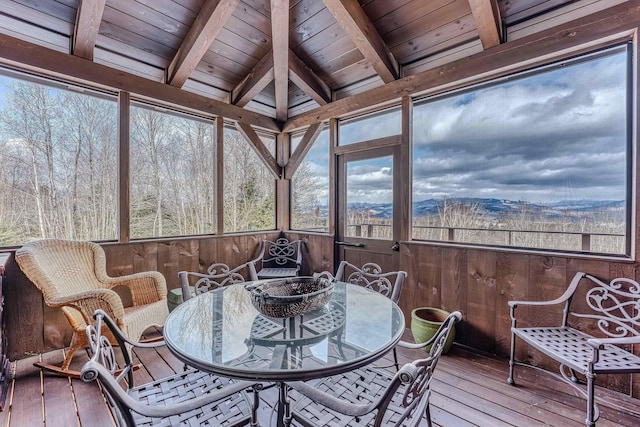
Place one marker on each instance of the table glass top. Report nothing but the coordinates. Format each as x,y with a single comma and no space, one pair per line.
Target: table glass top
222,332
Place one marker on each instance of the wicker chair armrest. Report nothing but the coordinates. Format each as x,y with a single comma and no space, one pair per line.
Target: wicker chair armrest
343,406
599,342
90,301
146,287
561,299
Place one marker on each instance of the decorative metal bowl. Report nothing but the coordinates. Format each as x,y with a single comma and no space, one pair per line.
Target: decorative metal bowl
290,296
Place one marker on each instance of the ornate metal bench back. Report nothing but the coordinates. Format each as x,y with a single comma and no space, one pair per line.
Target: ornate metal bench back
281,253
614,307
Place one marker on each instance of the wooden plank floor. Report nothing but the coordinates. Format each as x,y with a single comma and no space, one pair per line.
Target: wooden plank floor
468,390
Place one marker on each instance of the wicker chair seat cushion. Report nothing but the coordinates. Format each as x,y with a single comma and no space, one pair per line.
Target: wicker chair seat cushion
362,386
569,346
233,411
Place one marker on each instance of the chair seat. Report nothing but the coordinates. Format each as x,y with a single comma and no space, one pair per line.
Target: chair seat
277,273
140,317
569,346
361,386
233,411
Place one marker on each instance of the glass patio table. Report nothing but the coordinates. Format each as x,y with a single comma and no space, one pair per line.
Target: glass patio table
221,332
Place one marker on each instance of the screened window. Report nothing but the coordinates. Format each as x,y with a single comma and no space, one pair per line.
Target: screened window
310,187
538,160
58,150
172,174
249,186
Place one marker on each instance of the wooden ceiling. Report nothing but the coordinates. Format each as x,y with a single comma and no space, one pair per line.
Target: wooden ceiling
279,58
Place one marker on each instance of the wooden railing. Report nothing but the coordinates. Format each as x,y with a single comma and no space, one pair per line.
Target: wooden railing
572,240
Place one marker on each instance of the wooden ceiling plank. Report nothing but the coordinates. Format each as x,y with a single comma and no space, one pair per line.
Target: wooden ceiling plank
309,137
280,42
487,16
304,77
85,33
357,24
27,55
258,146
583,33
254,82
205,28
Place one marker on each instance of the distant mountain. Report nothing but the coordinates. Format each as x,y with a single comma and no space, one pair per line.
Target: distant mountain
501,207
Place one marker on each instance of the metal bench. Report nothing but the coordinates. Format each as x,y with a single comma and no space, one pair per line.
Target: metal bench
610,310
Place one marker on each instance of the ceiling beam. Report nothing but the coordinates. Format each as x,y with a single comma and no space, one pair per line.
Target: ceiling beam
32,57
280,43
254,82
309,137
85,32
304,77
487,16
599,29
261,150
357,24
210,20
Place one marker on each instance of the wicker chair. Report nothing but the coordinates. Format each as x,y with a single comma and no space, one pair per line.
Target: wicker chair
72,275
218,275
190,398
278,259
370,276
371,397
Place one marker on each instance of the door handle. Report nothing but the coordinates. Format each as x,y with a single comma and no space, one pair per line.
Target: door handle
355,245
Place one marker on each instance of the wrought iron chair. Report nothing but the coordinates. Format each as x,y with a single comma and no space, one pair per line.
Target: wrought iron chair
371,397
278,259
217,276
191,398
609,310
370,276
72,275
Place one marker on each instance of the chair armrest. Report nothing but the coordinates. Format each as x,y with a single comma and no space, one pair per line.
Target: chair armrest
345,407
561,299
260,254
299,252
599,342
93,370
456,316
117,332
146,287
88,302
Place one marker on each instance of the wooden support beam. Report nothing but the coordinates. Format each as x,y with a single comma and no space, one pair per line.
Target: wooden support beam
261,150
302,149
210,20
283,186
124,163
599,29
254,82
280,43
357,24
304,77
85,32
218,197
22,54
487,16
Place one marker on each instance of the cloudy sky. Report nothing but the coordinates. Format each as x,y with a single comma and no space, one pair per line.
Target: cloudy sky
545,137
